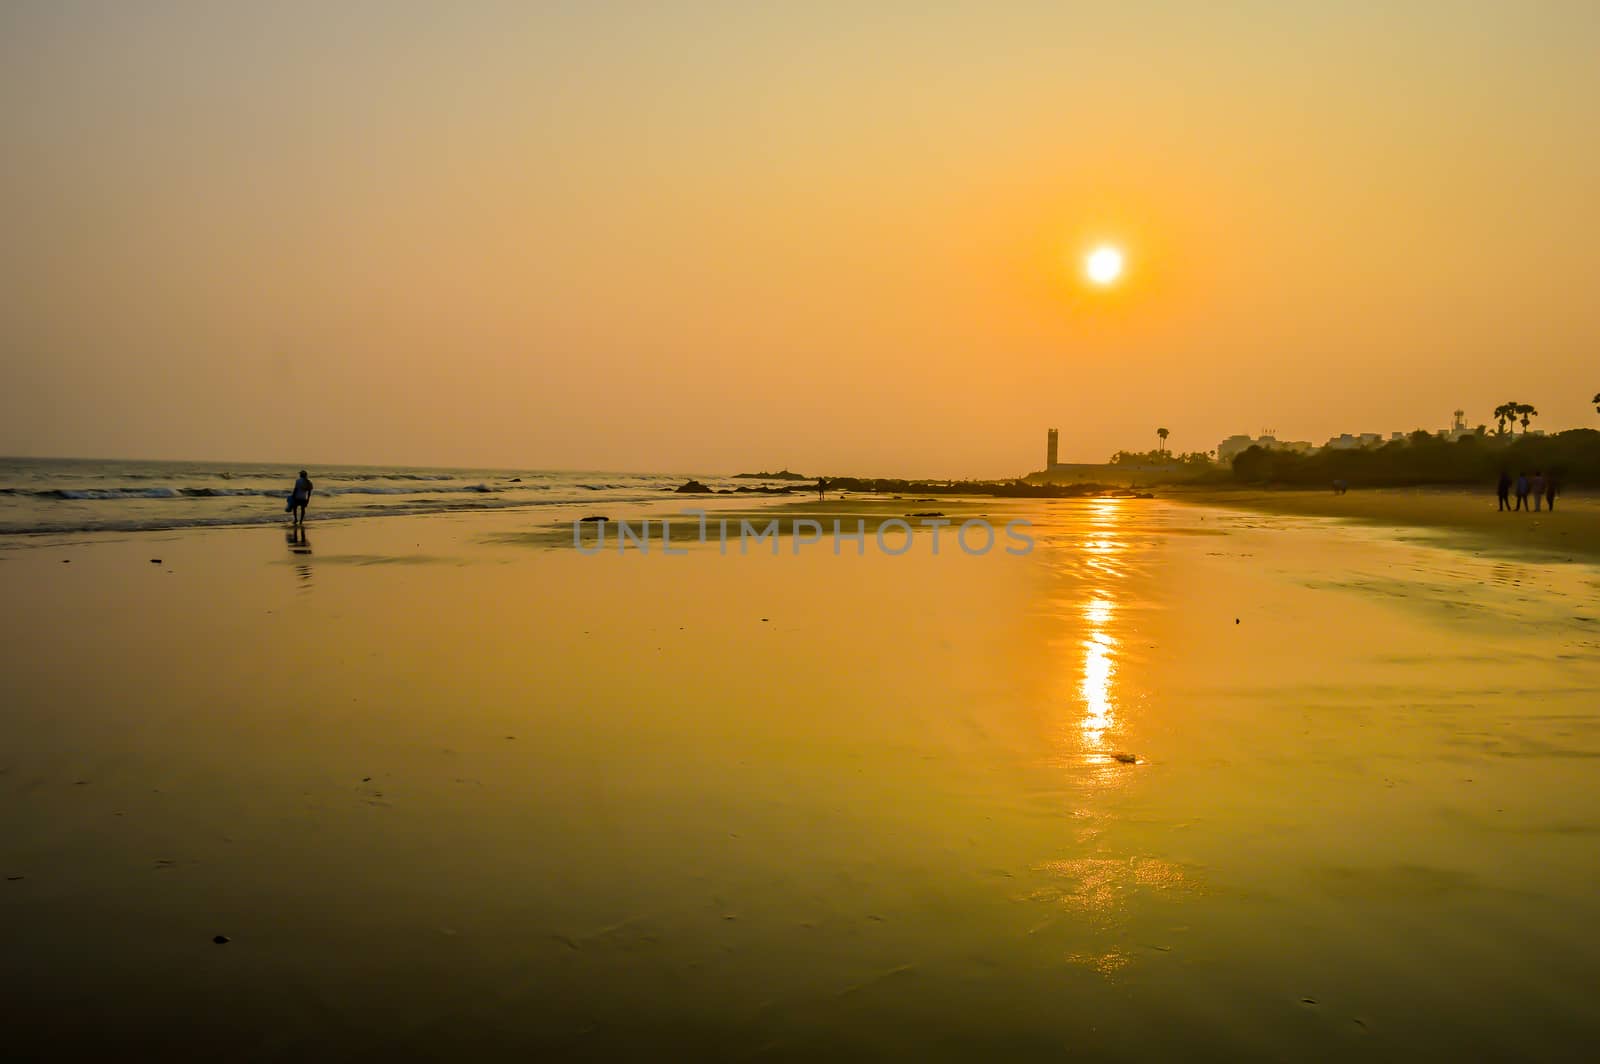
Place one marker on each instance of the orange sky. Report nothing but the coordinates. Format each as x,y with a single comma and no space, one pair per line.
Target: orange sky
719,237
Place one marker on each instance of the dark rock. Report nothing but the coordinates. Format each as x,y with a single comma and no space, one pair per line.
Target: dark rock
594,519
1126,759
926,513
221,940
155,561
693,487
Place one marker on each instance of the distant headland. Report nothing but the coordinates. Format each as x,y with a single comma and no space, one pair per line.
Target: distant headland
782,474
998,489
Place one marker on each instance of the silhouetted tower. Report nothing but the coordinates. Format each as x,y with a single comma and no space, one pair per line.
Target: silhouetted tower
1051,441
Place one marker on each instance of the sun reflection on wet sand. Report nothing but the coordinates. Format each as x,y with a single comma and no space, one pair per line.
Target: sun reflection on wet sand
1104,888
1102,548
1103,893
1099,675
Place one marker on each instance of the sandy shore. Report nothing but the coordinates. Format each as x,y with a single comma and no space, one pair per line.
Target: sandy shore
1181,782
1462,518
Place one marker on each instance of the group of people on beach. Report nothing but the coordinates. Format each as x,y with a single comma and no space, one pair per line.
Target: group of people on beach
1538,487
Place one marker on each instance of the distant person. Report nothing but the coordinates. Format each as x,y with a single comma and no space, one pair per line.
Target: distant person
1537,486
1503,490
1341,486
1522,491
299,496
1550,491
822,487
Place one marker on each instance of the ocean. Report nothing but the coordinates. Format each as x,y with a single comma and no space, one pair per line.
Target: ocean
56,495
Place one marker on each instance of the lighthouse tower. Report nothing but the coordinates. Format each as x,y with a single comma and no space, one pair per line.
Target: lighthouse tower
1050,449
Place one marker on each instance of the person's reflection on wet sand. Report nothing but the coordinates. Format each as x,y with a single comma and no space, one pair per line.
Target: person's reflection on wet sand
299,544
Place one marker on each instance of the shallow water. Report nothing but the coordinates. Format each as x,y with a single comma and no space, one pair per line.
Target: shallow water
1180,782
68,495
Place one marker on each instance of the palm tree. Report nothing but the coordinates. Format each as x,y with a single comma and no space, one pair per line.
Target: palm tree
1503,413
1163,434
1525,411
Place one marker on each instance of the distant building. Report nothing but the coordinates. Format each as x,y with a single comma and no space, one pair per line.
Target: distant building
1355,441
1346,441
1052,441
1233,446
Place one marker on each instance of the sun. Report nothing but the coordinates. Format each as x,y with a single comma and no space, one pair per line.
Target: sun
1104,265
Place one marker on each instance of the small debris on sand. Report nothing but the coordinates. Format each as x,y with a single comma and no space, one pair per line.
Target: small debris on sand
221,940
155,561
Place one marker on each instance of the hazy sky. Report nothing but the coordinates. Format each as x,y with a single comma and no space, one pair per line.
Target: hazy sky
838,237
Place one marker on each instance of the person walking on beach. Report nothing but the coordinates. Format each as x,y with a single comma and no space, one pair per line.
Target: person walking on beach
1503,490
1537,484
1522,491
822,487
1550,492
299,497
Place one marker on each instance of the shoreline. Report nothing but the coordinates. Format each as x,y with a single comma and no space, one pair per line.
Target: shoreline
1448,516
558,516
1569,533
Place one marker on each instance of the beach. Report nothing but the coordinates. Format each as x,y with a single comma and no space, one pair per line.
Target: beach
1464,519
1182,780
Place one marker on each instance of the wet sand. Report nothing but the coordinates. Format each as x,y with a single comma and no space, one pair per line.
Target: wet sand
454,791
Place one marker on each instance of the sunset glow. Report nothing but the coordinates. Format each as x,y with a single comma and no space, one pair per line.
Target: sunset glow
820,530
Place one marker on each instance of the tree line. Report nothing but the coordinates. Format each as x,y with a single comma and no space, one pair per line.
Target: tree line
1572,457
